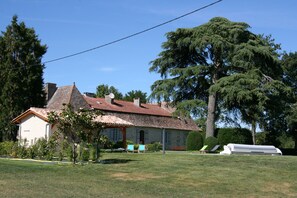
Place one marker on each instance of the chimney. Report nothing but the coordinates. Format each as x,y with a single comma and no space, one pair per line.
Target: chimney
49,89
137,102
109,98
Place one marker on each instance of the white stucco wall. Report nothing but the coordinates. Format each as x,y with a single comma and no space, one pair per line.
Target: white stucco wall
32,128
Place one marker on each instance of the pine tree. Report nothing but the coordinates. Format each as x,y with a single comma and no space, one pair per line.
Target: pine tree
21,73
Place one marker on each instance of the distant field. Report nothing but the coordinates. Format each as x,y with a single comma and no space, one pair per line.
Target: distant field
153,175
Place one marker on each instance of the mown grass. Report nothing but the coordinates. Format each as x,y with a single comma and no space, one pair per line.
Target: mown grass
153,175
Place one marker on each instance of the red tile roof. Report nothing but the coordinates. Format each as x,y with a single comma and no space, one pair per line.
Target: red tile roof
128,107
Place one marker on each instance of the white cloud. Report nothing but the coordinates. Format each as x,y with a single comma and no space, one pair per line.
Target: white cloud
106,69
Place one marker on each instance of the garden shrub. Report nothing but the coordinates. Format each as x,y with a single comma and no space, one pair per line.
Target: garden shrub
63,149
69,152
234,135
32,152
194,141
6,148
211,142
14,150
105,143
22,151
51,148
93,153
41,145
136,146
154,147
120,144
84,153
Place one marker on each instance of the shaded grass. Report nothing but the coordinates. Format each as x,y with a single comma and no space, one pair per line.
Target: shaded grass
153,175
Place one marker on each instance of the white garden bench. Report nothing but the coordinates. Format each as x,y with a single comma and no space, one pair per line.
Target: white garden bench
250,149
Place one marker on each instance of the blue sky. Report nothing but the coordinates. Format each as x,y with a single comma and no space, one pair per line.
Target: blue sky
70,26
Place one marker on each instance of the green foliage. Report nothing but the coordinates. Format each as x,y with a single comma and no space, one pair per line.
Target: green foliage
131,95
92,155
120,144
22,151
234,135
289,65
211,142
218,65
69,153
154,146
32,152
136,146
21,75
194,141
103,90
6,148
261,138
105,143
286,141
77,126
84,154
41,145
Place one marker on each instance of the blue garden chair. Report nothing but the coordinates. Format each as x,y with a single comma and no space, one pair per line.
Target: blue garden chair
130,147
141,148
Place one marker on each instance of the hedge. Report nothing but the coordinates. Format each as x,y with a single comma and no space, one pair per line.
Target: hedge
234,135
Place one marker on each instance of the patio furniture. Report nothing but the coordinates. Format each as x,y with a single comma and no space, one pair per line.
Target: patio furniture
203,149
214,148
130,147
141,148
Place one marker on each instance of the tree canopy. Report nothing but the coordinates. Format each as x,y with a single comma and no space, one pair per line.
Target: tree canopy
103,90
131,95
77,126
21,73
196,63
289,65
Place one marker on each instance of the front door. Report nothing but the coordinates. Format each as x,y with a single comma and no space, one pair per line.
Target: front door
141,137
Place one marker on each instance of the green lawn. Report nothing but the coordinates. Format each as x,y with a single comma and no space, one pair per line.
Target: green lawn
153,175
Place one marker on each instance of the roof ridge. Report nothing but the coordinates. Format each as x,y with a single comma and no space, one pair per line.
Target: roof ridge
71,93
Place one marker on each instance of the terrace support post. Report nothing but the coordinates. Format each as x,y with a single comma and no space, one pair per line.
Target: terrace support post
124,133
163,141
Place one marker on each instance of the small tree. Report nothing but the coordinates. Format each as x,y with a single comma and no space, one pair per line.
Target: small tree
76,126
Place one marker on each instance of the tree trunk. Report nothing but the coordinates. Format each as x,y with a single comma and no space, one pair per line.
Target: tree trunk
211,109
97,151
74,153
254,132
295,140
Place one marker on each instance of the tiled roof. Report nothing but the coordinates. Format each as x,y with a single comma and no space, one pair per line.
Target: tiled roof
157,121
147,115
116,114
127,107
42,113
39,112
113,121
67,95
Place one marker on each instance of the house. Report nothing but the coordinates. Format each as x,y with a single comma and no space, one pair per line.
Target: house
140,123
